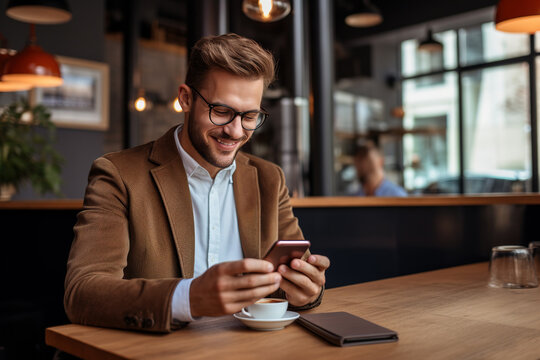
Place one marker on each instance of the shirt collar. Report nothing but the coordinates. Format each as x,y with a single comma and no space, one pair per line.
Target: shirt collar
192,166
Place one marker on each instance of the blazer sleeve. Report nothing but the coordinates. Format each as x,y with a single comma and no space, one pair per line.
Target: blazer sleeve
96,292
287,222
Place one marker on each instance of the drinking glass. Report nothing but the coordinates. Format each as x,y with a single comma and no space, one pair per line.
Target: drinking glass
534,247
512,267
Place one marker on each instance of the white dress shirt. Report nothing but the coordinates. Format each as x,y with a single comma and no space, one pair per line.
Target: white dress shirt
215,221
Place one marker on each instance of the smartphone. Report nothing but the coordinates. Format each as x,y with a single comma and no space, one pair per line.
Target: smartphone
283,251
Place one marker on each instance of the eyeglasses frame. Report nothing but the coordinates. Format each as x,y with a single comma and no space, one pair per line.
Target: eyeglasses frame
236,113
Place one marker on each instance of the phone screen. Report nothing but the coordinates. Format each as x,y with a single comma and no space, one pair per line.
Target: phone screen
283,251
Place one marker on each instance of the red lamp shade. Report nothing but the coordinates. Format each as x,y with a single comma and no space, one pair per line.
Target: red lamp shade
8,86
33,66
520,16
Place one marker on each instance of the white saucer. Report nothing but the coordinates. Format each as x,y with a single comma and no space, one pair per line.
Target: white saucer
267,324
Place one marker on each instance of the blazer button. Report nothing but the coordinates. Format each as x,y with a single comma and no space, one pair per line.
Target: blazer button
148,323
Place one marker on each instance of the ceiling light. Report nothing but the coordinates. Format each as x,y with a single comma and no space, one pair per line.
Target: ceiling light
33,66
364,14
8,86
39,11
520,16
429,44
140,103
266,10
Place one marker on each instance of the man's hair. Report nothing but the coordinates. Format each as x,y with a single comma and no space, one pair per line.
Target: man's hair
232,53
364,148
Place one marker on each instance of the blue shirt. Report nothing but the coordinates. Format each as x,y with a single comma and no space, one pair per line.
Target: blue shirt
217,238
386,188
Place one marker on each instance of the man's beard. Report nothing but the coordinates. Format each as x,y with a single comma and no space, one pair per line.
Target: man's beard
204,149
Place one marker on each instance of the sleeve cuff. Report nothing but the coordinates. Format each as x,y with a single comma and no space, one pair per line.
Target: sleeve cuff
181,310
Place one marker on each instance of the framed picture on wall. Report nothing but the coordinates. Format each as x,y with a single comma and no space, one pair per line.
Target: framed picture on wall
82,101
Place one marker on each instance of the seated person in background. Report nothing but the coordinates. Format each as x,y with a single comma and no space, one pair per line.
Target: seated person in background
369,164
175,229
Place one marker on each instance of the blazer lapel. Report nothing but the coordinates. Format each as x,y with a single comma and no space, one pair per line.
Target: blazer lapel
171,181
248,206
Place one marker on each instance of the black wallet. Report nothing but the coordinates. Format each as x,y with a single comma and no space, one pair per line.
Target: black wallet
344,329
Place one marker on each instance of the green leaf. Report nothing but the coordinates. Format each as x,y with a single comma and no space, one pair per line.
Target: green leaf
27,154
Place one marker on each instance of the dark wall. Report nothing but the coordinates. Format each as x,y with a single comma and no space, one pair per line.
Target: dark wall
372,243
33,256
84,38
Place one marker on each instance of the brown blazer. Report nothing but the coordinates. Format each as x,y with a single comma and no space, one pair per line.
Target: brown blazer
134,238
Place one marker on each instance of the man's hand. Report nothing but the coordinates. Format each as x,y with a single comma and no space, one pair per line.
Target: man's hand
303,281
228,287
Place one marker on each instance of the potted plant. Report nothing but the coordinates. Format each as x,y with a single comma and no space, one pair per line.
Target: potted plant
27,135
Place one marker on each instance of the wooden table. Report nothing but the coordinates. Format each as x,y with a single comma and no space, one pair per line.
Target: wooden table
444,314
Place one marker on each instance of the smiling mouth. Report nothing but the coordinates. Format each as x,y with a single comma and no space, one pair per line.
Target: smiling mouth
225,142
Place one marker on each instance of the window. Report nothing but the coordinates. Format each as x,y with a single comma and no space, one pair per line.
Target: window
430,146
497,128
487,94
483,43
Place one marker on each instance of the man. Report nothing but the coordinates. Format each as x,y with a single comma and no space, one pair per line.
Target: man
369,164
175,229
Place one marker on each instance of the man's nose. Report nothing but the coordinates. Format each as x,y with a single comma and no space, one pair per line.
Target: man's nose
234,129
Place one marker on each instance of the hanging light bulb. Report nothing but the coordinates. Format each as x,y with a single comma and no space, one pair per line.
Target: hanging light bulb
429,44
266,10
364,14
519,16
140,103
265,6
176,106
33,66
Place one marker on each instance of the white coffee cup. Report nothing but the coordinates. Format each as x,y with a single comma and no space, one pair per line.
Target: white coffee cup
267,308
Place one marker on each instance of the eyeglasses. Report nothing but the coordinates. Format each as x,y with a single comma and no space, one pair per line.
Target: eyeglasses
221,114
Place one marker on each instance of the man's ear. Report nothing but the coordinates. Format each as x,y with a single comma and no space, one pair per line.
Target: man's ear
380,159
185,97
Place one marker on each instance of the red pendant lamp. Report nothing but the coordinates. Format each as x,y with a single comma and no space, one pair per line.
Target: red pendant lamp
8,86
519,16
33,66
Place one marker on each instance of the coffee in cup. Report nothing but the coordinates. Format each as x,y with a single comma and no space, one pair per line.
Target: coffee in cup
267,308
